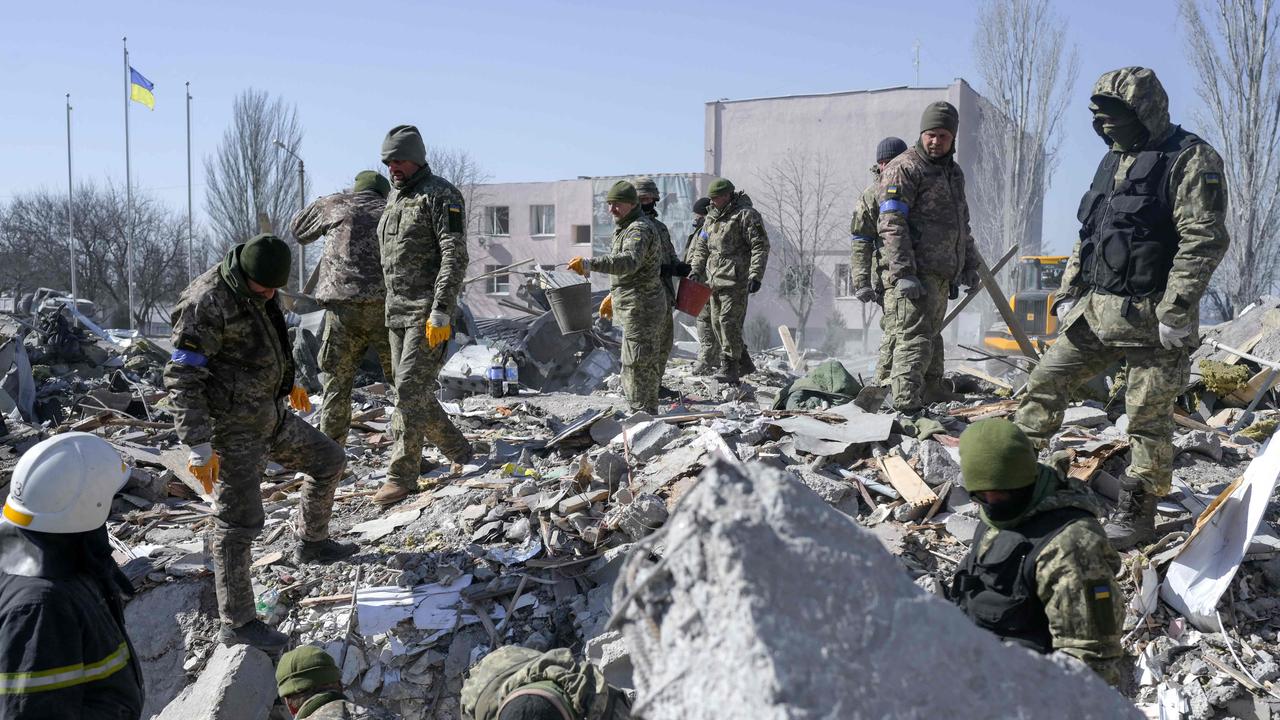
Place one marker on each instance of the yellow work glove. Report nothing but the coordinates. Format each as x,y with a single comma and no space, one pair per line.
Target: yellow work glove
438,329
580,265
606,307
203,462
299,400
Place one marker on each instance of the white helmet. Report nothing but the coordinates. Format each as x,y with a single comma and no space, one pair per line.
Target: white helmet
65,484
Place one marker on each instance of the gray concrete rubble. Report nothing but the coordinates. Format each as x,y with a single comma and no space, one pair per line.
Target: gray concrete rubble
769,604
238,683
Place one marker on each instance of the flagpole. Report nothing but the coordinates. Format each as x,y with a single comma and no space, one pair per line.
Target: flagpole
191,243
71,235
128,188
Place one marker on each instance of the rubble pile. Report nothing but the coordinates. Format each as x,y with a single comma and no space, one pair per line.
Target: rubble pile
527,545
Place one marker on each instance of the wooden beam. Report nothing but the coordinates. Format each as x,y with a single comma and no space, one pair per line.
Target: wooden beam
797,363
1006,312
906,481
975,291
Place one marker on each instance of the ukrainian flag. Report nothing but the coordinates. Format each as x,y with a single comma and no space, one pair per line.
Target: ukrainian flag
140,89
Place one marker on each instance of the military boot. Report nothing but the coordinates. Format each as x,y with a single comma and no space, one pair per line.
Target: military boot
323,551
255,633
703,368
728,372
390,493
745,364
1134,521
939,392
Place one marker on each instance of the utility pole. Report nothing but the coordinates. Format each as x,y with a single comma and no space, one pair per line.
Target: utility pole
916,62
191,243
302,202
71,232
128,191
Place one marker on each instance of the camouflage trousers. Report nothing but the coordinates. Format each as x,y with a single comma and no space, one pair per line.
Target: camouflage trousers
884,364
1156,377
728,308
418,415
666,338
350,329
642,355
918,351
239,516
708,345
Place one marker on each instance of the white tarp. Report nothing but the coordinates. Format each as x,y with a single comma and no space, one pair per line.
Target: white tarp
1201,573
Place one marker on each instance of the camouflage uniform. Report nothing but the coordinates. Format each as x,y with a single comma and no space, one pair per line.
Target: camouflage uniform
228,378
731,250
351,291
1073,578
1098,331
579,687
867,267
332,706
639,305
666,331
924,225
708,345
423,240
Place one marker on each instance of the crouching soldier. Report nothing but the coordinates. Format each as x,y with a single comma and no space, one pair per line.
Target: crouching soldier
310,684
1039,572
516,683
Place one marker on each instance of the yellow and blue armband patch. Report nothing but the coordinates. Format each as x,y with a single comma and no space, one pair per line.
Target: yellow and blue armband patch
189,357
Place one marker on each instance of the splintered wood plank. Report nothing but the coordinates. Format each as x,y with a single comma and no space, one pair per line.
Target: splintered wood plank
789,343
905,480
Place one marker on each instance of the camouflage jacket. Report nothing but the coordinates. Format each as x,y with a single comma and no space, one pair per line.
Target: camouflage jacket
232,363
351,266
864,238
668,251
635,261
579,687
924,218
1199,213
423,239
732,247
332,706
1070,573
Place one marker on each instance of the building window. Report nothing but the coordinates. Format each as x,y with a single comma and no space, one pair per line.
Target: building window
498,284
542,219
497,220
844,281
582,234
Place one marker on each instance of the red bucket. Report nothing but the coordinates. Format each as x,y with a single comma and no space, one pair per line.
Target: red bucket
692,296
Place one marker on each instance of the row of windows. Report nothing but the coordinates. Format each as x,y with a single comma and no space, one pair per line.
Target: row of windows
497,220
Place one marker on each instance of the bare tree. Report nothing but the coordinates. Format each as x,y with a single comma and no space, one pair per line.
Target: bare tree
1027,69
461,169
801,203
1232,44
248,175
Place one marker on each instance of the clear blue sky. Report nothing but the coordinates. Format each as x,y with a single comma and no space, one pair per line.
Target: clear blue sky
534,90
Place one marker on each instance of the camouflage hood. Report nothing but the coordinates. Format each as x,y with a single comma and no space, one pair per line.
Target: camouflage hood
740,200
1140,89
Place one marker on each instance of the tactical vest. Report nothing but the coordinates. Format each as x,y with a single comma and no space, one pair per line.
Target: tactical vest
1127,234
998,591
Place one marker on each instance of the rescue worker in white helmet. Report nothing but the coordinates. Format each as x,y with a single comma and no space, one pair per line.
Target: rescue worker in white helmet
63,648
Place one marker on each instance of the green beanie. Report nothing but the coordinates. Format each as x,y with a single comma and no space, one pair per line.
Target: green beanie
306,668
623,191
941,114
719,187
404,142
996,455
266,260
370,180
646,186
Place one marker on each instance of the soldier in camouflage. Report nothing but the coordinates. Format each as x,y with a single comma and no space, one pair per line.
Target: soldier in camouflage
516,683
350,290
928,250
1153,230
866,263
423,239
672,266
310,684
639,298
228,378
1039,571
708,347
730,255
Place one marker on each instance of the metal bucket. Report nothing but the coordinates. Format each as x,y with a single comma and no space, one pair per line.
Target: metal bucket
571,306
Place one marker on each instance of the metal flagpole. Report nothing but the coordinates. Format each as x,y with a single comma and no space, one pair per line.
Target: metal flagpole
128,189
71,234
191,243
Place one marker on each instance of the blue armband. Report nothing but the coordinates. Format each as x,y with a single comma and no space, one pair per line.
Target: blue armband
189,357
861,238
897,206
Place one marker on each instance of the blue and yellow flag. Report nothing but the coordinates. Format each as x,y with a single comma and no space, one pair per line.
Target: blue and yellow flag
140,89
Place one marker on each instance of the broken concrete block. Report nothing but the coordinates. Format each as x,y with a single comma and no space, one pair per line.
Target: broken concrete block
938,465
152,621
777,601
649,438
642,516
1200,441
962,527
611,468
1085,416
609,653
238,683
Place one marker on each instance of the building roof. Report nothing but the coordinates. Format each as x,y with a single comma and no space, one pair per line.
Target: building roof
726,101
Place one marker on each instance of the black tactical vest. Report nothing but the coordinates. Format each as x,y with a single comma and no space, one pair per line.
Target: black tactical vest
998,592
1127,234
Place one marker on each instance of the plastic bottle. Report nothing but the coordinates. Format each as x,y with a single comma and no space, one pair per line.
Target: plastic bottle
512,375
270,608
496,376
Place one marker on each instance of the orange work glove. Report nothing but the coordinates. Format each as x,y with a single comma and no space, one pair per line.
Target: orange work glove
580,265
299,400
438,329
204,463
606,307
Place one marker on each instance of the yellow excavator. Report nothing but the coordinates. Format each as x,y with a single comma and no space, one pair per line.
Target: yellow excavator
1038,278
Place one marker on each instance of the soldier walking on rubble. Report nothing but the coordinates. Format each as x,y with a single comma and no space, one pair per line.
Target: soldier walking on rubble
672,267
423,239
228,378
708,346
1153,230
350,290
928,251
516,683
637,293
730,256
867,264
1039,572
